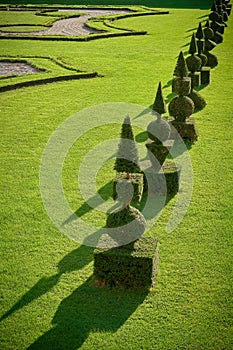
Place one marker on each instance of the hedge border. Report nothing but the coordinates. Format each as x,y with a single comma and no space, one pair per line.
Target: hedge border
135,12
42,81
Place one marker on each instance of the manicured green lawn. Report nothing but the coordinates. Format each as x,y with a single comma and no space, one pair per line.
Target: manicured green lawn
47,295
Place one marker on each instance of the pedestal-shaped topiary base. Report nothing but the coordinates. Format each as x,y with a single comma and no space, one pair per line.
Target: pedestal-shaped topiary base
165,181
137,182
187,129
195,79
205,75
157,153
131,265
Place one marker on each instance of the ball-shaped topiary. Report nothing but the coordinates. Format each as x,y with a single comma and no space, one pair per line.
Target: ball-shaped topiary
125,190
193,63
198,100
158,130
181,107
126,224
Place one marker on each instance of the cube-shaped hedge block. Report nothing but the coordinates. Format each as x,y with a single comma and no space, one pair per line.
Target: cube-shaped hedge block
137,182
131,265
181,86
205,75
157,153
164,182
195,79
187,130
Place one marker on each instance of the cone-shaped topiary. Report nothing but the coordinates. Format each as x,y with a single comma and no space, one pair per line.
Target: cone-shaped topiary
199,33
127,155
159,105
181,69
193,45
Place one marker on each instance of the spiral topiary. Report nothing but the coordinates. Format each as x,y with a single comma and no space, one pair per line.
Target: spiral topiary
181,107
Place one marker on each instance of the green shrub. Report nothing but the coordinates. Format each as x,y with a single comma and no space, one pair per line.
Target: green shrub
181,69
198,100
181,107
137,182
159,104
158,130
181,86
127,155
193,63
133,265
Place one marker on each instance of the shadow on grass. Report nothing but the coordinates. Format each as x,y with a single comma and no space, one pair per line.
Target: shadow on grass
75,260
89,309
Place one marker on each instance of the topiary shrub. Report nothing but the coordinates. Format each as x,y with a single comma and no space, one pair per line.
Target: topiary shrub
127,155
158,131
181,69
125,192
159,105
193,63
181,107
133,265
198,100
181,86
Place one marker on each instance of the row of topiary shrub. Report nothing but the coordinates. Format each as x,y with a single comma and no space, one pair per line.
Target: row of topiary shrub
125,265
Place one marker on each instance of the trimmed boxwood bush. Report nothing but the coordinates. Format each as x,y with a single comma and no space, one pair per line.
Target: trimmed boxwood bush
127,155
158,131
133,265
135,179
181,107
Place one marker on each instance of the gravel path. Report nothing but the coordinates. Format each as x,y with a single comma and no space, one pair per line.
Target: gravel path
73,26
16,68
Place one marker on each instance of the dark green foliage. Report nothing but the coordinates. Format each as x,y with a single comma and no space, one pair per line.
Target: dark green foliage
132,265
200,46
205,74
217,27
212,60
125,225
170,186
214,7
218,38
203,59
181,69
137,182
127,155
159,105
209,45
198,100
125,191
195,79
193,63
208,33
214,16
199,33
158,130
181,86
193,45
157,154
181,107
187,130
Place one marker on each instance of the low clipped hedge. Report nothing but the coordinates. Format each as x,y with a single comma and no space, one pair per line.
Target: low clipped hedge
47,80
137,182
132,265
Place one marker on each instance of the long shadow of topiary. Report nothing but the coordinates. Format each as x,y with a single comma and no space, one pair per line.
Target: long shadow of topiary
89,309
75,260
